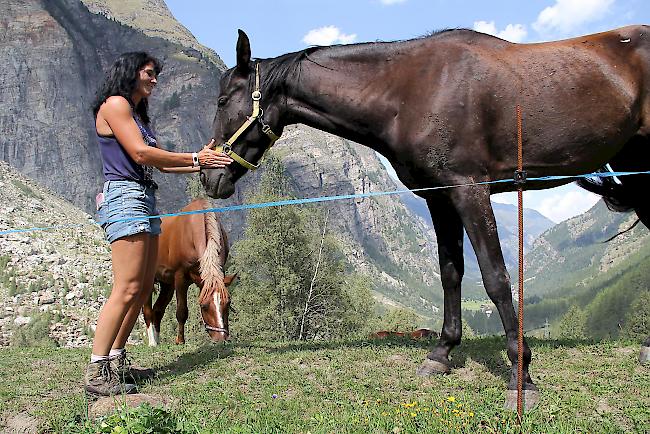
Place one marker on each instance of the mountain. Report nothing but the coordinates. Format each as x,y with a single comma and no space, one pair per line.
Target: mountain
507,226
55,53
63,273
574,252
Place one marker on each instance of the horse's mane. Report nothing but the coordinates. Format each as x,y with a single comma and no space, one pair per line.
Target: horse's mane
285,65
289,64
210,264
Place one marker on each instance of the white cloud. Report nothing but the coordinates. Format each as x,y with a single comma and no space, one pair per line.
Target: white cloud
512,32
328,35
392,2
560,207
567,16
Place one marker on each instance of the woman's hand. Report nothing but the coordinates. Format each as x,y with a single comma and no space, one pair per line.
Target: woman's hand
210,159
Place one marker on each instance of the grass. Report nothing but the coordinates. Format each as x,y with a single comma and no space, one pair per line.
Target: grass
346,386
475,305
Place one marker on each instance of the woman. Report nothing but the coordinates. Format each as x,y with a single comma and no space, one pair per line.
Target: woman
129,152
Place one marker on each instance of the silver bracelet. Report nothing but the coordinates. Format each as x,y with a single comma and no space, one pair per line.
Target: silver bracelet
195,159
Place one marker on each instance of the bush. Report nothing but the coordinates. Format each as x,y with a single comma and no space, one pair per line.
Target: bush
572,324
141,419
401,320
637,321
34,334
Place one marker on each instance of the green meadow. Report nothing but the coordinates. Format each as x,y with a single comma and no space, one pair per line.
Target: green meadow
346,386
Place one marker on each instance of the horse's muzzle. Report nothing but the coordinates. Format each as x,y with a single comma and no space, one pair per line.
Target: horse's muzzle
219,336
217,183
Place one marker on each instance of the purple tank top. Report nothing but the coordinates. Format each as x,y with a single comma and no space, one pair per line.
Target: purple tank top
118,165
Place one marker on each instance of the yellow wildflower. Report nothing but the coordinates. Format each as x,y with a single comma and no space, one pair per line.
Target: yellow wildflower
451,399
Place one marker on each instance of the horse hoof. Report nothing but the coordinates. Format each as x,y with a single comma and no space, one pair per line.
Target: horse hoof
644,356
429,367
530,399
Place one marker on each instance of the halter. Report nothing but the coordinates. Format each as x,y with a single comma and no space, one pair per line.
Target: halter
215,329
257,115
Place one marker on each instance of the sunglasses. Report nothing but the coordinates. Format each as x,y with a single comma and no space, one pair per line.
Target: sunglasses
151,73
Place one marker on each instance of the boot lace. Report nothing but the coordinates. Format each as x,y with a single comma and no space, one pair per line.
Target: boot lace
106,372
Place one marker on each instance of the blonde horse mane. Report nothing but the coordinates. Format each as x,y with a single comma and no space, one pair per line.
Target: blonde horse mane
210,266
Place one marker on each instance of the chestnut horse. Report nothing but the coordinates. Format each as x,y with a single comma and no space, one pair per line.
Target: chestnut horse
192,249
442,110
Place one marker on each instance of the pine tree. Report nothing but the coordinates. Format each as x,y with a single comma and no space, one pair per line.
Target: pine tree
637,321
292,280
572,324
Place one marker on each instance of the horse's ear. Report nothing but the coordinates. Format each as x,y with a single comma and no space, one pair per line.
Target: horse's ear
243,53
227,280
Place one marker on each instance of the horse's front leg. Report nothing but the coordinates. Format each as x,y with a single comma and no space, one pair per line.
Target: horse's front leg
164,297
147,314
181,284
475,210
449,232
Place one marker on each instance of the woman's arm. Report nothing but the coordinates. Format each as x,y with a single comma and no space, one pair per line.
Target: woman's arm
116,111
188,169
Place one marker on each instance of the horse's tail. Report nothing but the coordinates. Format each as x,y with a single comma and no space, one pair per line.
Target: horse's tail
616,196
211,263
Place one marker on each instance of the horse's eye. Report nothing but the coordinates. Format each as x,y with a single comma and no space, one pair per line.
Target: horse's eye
222,101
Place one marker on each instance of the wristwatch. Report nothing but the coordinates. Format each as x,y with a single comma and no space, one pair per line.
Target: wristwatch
195,159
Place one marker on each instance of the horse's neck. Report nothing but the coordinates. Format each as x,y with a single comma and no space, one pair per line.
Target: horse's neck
338,95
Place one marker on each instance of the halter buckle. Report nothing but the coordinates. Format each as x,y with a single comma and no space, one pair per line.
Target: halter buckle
257,95
226,148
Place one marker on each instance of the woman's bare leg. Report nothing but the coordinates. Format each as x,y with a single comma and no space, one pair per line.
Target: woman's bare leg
129,258
147,286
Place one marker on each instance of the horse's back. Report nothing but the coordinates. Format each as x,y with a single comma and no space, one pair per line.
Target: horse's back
183,237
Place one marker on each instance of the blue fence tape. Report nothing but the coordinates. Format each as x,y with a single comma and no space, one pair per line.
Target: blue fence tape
323,199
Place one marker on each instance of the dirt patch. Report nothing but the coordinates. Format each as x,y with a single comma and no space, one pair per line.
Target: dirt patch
466,374
626,350
397,359
107,405
20,423
603,406
574,352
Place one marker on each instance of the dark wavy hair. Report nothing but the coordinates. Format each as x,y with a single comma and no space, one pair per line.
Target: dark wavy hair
121,79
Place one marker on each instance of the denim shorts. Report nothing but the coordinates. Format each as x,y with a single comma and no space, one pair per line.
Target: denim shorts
126,200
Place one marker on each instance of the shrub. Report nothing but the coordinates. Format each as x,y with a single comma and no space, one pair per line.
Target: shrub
34,334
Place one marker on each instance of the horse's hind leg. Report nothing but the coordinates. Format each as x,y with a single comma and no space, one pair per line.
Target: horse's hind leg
644,215
449,232
474,207
182,312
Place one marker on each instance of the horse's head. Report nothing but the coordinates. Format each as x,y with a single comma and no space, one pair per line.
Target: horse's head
245,124
214,310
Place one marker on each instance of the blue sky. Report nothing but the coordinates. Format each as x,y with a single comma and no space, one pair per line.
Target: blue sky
281,26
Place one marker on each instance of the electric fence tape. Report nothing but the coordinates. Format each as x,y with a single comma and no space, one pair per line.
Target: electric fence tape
321,199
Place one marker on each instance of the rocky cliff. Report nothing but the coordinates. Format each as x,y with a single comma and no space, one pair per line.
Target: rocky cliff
56,52
62,273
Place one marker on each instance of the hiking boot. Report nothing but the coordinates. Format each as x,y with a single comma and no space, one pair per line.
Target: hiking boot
101,380
130,374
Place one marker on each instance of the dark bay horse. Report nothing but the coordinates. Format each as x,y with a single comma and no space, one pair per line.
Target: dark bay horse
442,110
192,249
